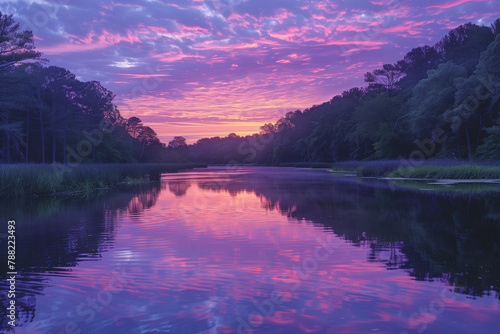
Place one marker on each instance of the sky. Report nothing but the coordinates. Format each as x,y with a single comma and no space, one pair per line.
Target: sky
205,68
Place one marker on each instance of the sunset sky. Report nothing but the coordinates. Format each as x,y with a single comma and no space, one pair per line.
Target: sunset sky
205,68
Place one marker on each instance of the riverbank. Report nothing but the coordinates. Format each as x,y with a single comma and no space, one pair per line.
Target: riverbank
23,180
436,175
428,170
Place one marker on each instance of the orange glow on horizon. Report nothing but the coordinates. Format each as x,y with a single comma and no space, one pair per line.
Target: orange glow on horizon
241,106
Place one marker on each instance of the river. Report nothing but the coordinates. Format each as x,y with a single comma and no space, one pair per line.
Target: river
257,250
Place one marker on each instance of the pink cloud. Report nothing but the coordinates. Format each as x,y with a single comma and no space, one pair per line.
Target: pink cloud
360,49
142,76
453,4
90,42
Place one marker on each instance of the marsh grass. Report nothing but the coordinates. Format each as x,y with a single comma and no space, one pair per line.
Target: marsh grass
20,180
367,168
431,169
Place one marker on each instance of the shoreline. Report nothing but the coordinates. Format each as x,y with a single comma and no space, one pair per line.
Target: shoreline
43,180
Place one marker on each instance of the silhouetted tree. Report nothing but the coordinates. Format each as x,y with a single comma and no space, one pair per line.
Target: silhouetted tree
384,79
15,46
177,142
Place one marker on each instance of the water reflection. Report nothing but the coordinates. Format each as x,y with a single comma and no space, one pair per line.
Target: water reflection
204,251
429,234
178,188
54,235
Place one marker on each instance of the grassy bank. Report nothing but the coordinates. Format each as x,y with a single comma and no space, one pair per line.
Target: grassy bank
431,169
367,168
21,180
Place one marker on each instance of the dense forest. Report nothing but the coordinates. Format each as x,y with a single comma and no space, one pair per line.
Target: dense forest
438,101
47,115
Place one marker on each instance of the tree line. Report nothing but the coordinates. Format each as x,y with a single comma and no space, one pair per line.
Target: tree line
46,113
441,99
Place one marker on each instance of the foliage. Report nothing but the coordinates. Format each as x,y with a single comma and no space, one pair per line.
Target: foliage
490,147
177,142
47,115
15,46
385,78
19,180
431,98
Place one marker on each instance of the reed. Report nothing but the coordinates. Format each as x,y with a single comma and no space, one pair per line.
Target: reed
20,180
429,169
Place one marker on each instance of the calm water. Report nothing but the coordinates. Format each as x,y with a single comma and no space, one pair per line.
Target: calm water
259,250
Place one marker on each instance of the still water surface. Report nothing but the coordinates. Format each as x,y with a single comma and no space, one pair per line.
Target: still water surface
258,250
